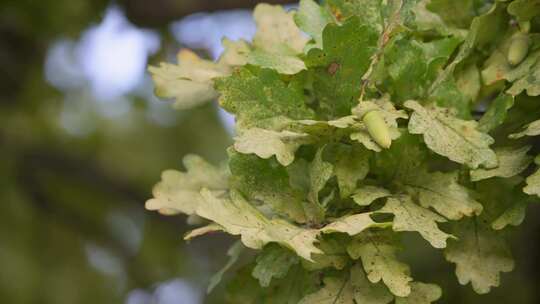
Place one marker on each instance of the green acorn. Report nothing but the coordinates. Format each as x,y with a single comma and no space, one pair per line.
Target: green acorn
377,128
518,48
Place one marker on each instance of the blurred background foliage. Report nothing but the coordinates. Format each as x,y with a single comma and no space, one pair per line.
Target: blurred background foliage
83,140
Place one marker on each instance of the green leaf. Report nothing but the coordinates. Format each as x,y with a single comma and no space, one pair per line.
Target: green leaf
458,13
338,75
457,139
178,192
320,172
267,143
258,95
366,292
426,20
408,216
267,182
190,81
448,95
401,161
378,254
407,59
484,32
512,161
234,253
352,165
374,13
244,289
480,255
524,10
273,263
312,19
366,194
421,293
496,113
238,217
291,289
334,253
504,201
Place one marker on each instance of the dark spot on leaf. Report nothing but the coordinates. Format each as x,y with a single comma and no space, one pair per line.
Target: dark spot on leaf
333,68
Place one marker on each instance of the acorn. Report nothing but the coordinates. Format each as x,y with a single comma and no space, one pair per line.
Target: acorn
519,46
377,128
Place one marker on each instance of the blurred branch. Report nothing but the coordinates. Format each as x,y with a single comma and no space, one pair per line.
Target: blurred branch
158,13
36,160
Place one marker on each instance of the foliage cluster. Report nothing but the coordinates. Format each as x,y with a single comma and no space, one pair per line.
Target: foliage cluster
388,117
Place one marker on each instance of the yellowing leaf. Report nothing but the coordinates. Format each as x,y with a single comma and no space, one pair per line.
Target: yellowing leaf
533,184
366,194
189,81
312,19
457,139
336,290
276,44
421,293
480,255
213,227
530,83
410,217
442,192
378,254
178,192
238,217
276,30
283,64
235,52
512,216
267,143
512,161
353,224
531,129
